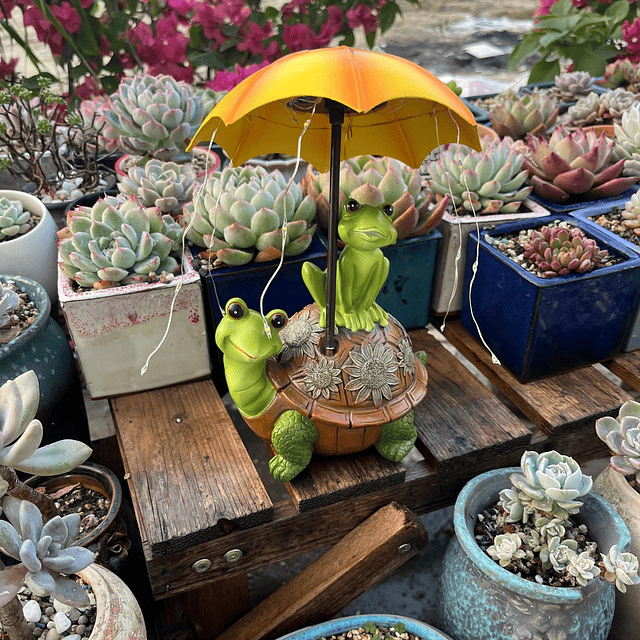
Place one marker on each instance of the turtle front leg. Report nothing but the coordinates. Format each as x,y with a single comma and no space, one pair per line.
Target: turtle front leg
293,438
397,438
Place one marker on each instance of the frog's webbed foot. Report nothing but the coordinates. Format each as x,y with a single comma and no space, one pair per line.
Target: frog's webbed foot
293,437
397,438
316,282
362,320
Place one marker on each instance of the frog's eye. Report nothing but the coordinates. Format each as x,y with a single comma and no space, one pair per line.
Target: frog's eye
278,320
352,205
235,310
388,209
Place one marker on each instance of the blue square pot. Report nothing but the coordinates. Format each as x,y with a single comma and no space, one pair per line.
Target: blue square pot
406,294
568,207
539,327
632,339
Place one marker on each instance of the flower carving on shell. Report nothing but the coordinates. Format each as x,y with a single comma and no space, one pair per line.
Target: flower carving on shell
322,378
300,336
372,372
405,356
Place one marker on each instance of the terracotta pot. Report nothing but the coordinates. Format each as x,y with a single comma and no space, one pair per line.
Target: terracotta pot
91,476
34,254
488,132
613,486
118,614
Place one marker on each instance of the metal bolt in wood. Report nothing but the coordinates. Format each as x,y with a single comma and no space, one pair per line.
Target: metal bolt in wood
202,565
233,555
404,548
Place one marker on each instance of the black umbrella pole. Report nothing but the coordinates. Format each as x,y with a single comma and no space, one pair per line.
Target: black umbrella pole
336,119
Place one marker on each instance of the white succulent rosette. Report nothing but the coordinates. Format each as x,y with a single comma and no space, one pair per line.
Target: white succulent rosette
9,300
506,548
622,436
558,553
551,483
583,568
620,568
13,219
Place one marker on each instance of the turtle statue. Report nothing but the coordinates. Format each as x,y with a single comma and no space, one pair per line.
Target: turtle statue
301,401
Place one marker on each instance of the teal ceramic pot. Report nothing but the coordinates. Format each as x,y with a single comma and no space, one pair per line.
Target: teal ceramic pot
44,348
479,600
342,625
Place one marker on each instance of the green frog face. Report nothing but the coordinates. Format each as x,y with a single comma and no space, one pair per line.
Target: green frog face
241,334
366,227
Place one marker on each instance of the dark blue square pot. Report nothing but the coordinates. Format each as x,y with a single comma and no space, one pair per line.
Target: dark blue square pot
539,327
574,205
407,293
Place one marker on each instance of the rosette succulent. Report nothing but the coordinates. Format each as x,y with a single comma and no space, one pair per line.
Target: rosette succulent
600,108
506,547
560,250
621,568
551,482
574,84
153,116
377,181
627,141
622,436
118,241
240,214
45,554
14,220
558,553
9,300
516,115
583,567
574,164
485,182
166,185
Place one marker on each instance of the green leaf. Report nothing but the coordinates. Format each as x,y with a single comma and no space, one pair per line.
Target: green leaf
348,40
210,59
86,36
15,36
544,71
371,39
562,8
400,627
549,38
617,12
271,13
387,15
525,48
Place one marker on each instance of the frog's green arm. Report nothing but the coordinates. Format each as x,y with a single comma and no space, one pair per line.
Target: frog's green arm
316,282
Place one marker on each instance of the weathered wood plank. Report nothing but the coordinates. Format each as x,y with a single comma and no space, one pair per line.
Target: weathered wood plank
191,479
561,405
328,480
461,423
627,368
360,560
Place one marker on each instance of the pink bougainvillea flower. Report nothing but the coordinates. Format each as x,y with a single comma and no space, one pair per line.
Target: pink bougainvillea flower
7,69
254,36
67,16
298,37
544,7
89,88
332,26
631,35
183,7
226,80
289,9
361,15
580,4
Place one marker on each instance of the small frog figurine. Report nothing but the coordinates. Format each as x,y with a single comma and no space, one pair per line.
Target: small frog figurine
362,268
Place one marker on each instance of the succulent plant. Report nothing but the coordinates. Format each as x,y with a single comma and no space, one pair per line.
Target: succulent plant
240,215
631,213
586,111
558,553
621,568
582,566
21,433
516,509
506,547
551,482
622,436
560,250
624,73
616,102
14,220
627,140
45,553
550,527
118,241
153,116
166,185
574,164
9,300
514,115
377,181
92,111
573,84
485,182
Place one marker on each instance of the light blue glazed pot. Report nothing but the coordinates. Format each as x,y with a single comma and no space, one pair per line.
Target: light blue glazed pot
479,600
342,625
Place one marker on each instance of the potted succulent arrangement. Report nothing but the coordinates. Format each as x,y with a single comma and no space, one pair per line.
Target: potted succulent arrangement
121,288
556,270
536,553
407,292
599,110
28,240
489,189
567,88
30,339
618,484
515,115
42,541
47,147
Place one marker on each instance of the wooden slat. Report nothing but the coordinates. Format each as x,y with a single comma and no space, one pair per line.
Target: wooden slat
328,480
461,423
627,368
562,406
360,560
191,479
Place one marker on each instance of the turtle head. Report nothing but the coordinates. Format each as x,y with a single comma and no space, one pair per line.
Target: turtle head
241,333
366,226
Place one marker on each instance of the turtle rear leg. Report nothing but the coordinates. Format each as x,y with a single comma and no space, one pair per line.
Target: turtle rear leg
293,438
397,438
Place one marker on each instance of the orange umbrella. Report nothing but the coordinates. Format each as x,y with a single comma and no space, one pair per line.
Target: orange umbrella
362,103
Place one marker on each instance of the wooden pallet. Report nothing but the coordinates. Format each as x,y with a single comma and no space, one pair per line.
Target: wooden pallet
198,495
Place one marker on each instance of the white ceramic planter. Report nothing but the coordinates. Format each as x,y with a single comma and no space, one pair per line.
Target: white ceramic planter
115,330
614,488
455,233
35,254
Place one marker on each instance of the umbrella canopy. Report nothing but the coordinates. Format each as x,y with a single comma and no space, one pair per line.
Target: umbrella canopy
393,108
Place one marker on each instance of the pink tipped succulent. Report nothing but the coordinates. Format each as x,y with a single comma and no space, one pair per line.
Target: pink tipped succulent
574,164
560,250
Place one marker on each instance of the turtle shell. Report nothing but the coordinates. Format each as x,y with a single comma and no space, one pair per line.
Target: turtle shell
372,379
